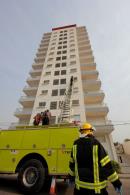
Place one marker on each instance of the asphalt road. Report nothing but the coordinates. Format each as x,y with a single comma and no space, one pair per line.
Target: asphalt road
8,186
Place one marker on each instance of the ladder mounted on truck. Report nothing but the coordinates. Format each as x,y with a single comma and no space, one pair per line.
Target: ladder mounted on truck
66,107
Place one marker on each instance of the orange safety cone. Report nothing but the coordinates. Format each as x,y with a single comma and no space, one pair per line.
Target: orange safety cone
53,186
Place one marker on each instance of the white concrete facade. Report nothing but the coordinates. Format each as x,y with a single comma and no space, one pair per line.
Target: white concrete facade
126,146
66,52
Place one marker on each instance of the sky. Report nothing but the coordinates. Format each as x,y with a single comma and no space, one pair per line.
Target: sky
22,24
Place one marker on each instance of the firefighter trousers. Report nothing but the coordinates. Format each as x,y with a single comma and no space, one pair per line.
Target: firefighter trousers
83,191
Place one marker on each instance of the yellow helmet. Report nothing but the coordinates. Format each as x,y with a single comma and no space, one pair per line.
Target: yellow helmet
87,126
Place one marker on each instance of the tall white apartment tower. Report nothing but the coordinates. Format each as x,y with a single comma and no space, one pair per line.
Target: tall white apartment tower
63,53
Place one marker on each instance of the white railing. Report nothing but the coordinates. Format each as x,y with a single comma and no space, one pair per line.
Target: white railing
27,98
29,88
21,111
33,78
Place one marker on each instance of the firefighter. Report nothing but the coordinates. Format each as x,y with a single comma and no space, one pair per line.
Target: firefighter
90,166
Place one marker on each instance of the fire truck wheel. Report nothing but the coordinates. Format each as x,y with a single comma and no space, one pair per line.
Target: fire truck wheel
31,176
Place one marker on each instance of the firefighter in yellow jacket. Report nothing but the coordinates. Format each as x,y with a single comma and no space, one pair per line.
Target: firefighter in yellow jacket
90,165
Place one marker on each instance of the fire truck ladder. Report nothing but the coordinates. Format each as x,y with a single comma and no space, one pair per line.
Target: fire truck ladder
66,107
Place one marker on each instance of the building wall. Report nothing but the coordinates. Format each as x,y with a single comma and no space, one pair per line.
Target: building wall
126,146
80,64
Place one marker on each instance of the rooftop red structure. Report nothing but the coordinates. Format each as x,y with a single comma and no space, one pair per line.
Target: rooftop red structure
62,27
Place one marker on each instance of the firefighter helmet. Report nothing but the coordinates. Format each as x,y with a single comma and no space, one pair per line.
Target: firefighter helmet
87,126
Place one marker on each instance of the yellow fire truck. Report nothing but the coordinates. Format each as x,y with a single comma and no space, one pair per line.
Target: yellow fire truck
36,153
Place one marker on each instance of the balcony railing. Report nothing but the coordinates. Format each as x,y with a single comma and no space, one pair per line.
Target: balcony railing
94,93
91,82
96,110
36,78
14,125
22,111
93,97
90,72
91,85
41,54
44,46
27,98
28,88
33,81
38,65
103,128
35,72
90,66
86,60
39,59
82,48
85,53
82,43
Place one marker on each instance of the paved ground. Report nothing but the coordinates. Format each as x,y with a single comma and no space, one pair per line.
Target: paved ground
8,186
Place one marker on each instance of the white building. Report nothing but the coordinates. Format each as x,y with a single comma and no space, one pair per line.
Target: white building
126,146
62,53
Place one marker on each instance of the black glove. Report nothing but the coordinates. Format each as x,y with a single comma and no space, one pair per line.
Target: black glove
117,185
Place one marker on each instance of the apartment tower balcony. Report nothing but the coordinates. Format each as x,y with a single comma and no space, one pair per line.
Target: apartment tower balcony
27,101
30,91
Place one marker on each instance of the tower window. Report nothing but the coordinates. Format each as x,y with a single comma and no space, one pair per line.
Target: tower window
75,79
49,66
53,105
51,53
72,40
63,72
72,50
72,45
56,82
64,46
50,59
59,47
62,91
71,37
52,48
75,102
48,73
64,57
42,104
52,119
71,33
63,64
60,104
64,51
59,52
56,73
73,70
63,81
44,92
57,65
46,82
58,58
53,43
72,56
75,90
72,62
55,92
